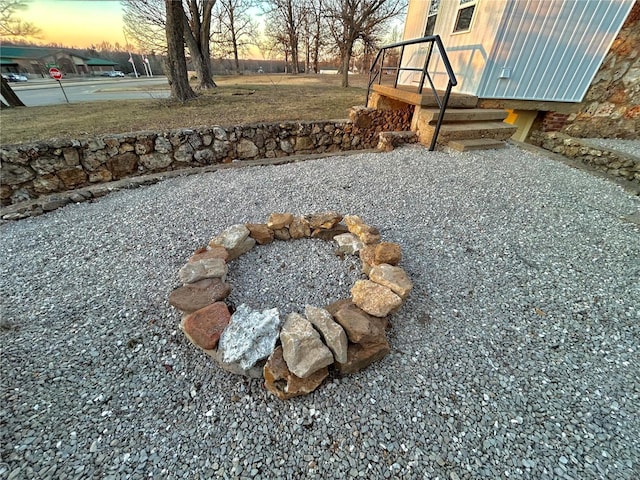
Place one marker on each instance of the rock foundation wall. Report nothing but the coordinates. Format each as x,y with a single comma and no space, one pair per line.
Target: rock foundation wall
30,171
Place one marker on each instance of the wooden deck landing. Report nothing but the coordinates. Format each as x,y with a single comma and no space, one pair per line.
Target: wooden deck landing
408,94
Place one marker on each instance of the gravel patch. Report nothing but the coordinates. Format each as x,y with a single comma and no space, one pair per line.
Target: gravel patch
630,147
516,355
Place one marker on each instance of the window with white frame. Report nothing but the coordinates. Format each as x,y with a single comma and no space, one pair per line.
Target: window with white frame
431,17
465,15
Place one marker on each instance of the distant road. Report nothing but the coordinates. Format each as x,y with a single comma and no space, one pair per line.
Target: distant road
47,91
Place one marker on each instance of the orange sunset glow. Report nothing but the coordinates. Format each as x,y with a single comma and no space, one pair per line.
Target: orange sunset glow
76,23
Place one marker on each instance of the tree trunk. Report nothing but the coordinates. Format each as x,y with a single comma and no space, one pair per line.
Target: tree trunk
9,95
236,57
176,61
316,51
344,63
197,37
295,63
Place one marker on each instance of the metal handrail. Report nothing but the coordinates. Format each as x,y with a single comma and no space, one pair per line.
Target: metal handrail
452,82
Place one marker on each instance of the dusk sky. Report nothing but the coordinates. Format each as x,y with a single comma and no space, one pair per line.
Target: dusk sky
76,23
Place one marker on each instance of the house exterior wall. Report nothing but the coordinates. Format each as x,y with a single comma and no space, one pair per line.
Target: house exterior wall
611,107
551,50
545,50
467,51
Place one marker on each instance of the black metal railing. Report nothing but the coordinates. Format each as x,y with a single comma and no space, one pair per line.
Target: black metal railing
378,69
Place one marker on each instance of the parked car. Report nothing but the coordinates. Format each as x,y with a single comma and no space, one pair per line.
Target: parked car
15,77
113,73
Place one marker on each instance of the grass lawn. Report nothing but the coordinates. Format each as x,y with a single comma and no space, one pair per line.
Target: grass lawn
238,99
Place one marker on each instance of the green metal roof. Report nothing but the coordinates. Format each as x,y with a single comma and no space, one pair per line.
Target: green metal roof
100,62
17,52
26,52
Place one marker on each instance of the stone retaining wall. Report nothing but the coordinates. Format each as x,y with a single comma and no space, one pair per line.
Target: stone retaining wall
612,162
30,171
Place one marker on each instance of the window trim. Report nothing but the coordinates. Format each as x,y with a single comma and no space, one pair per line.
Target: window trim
435,17
432,13
463,5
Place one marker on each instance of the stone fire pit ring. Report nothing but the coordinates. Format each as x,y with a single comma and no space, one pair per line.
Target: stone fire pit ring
294,355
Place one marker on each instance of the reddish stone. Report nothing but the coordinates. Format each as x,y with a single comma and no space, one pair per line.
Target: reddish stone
325,220
123,165
327,234
359,326
73,177
387,252
260,233
284,384
204,326
335,306
194,296
360,356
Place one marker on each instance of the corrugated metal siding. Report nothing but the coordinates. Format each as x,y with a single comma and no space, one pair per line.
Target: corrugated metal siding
552,47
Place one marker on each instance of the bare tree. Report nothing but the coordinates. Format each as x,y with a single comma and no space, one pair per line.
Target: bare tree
353,20
315,31
284,20
12,26
237,28
145,22
275,42
197,35
176,61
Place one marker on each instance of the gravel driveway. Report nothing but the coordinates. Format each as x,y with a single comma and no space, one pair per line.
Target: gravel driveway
515,356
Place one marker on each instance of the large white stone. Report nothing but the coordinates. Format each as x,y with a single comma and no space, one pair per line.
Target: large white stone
332,333
302,348
232,237
250,336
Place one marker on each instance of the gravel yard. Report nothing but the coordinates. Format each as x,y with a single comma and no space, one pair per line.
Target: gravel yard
515,356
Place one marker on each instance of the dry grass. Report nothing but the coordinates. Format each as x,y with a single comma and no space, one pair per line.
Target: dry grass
244,99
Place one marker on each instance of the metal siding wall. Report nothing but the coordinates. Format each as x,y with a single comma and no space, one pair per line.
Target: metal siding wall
553,47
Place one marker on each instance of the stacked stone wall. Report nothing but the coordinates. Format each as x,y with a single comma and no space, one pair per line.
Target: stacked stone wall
605,160
31,171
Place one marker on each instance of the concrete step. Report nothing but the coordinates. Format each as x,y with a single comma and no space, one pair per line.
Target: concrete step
476,144
430,115
466,131
409,94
